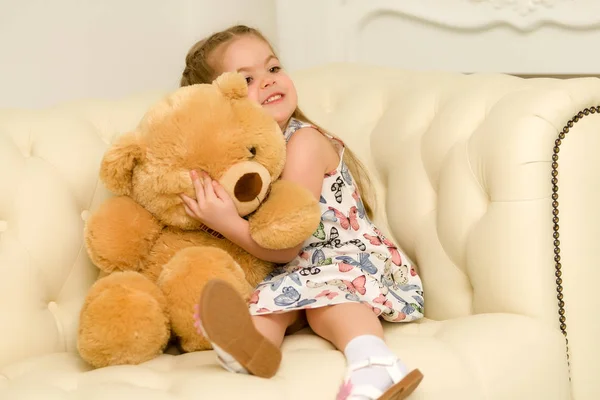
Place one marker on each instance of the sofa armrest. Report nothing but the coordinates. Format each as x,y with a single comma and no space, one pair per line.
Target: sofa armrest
471,195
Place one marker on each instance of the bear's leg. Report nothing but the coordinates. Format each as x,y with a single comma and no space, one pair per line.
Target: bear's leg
123,321
182,280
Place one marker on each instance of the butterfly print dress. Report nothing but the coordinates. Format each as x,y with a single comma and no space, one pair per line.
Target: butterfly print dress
347,259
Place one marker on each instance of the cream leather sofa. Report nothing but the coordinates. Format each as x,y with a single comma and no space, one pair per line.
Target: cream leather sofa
463,167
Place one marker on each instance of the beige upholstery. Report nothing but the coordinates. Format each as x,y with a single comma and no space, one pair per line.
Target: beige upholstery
462,165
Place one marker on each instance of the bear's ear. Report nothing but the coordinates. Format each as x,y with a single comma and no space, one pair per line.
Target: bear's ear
118,162
232,84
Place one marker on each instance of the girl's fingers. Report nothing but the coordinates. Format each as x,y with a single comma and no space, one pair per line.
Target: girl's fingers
190,205
199,187
186,200
189,212
219,191
209,191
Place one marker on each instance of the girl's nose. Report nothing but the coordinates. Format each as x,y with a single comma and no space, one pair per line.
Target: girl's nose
266,82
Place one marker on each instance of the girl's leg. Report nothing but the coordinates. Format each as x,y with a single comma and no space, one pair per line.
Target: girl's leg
244,343
341,323
273,326
354,329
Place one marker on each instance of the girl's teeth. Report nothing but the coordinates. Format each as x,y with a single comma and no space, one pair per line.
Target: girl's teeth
270,99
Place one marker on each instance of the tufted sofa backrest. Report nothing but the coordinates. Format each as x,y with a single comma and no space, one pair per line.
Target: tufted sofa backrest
49,163
461,165
463,169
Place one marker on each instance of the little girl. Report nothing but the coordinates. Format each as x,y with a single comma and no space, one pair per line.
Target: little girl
341,280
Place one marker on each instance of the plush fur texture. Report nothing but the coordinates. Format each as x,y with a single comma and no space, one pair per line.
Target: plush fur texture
154,259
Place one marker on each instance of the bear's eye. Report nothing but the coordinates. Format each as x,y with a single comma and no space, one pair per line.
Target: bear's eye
252,150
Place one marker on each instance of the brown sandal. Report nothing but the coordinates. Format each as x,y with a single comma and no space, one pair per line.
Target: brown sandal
401,389
225,321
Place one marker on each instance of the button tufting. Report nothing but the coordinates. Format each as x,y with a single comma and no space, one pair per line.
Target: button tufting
3,226
85,214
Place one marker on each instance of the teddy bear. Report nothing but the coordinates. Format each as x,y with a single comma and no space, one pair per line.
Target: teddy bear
153,258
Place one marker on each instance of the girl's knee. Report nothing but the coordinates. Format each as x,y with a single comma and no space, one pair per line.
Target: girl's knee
318,316
284,319
336,314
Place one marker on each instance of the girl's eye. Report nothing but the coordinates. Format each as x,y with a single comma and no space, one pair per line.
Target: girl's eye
274,69
248,79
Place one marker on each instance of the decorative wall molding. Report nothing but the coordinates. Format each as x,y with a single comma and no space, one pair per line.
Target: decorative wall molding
523,7
524,15
523,37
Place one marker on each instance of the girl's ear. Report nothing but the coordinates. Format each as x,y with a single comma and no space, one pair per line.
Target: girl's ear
116,170
232,84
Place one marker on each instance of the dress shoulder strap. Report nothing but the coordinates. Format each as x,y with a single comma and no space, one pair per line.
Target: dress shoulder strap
293,126
296,124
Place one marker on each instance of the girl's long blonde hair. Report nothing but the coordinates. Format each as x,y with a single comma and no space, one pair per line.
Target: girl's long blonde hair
200,65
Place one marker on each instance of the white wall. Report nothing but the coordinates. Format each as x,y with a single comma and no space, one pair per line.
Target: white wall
524,37
61,50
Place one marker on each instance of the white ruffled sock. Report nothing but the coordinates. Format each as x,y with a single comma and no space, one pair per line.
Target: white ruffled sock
362,348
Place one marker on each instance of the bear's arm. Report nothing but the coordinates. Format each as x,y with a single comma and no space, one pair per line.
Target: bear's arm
120,234
288,217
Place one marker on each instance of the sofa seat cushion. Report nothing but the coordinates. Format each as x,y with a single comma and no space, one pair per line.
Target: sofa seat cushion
485,356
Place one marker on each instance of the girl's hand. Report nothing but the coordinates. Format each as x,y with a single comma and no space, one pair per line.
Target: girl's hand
212,206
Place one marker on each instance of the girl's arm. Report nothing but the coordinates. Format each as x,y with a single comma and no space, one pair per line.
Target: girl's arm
309,156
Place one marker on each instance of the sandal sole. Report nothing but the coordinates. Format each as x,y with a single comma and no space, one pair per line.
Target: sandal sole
404,388
227,323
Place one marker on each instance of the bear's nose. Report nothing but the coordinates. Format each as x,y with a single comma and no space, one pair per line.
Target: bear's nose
248,187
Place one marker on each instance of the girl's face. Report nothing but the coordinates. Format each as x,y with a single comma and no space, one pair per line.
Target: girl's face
268,84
